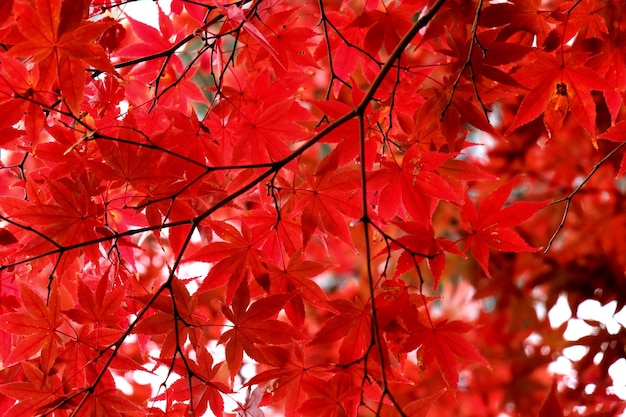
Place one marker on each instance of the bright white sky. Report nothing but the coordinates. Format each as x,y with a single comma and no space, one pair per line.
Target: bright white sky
593,311
146,11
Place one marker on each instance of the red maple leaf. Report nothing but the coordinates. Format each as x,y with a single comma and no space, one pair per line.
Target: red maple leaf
421,406
253,399
296,279
337,397
277,237
284,144
386,27
35,394
35,326
254,326
98,307
201,385
327,198
352,324
286,380
154,40
69,216
263,134
420,243
289,39
441,344
174,305
61,42
105,95
491,225
610,65
109,402
412,186
17,84
235,259
561,84
524,16
396,309
347,135
132,166
345,57
437,121
583,21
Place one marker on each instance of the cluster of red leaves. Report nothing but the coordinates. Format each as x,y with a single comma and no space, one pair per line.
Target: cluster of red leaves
293,201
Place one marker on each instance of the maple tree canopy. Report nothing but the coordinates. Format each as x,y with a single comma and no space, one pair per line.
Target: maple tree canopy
311,208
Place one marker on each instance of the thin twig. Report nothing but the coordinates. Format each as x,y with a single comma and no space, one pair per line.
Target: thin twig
468,64
568,199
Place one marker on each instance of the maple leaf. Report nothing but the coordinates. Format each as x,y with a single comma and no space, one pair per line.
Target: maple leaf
345,58
412,186
263,134
277,237
487,64
583,21
353,324
131,165
174,308
421,406
296,278
252,325
35,394
69,218
105,95
237,17
329,196
347,135
385,27
235,258
244,88
336,397
421,242
557,109
520,16
109,402
289,40
396,308
98,307
176,90
85,355
19,87
440,344
458,172
112,37
561,84
286,380
61,44
38,324
154,40
253,400
610,65
201,386
490,225
187,136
